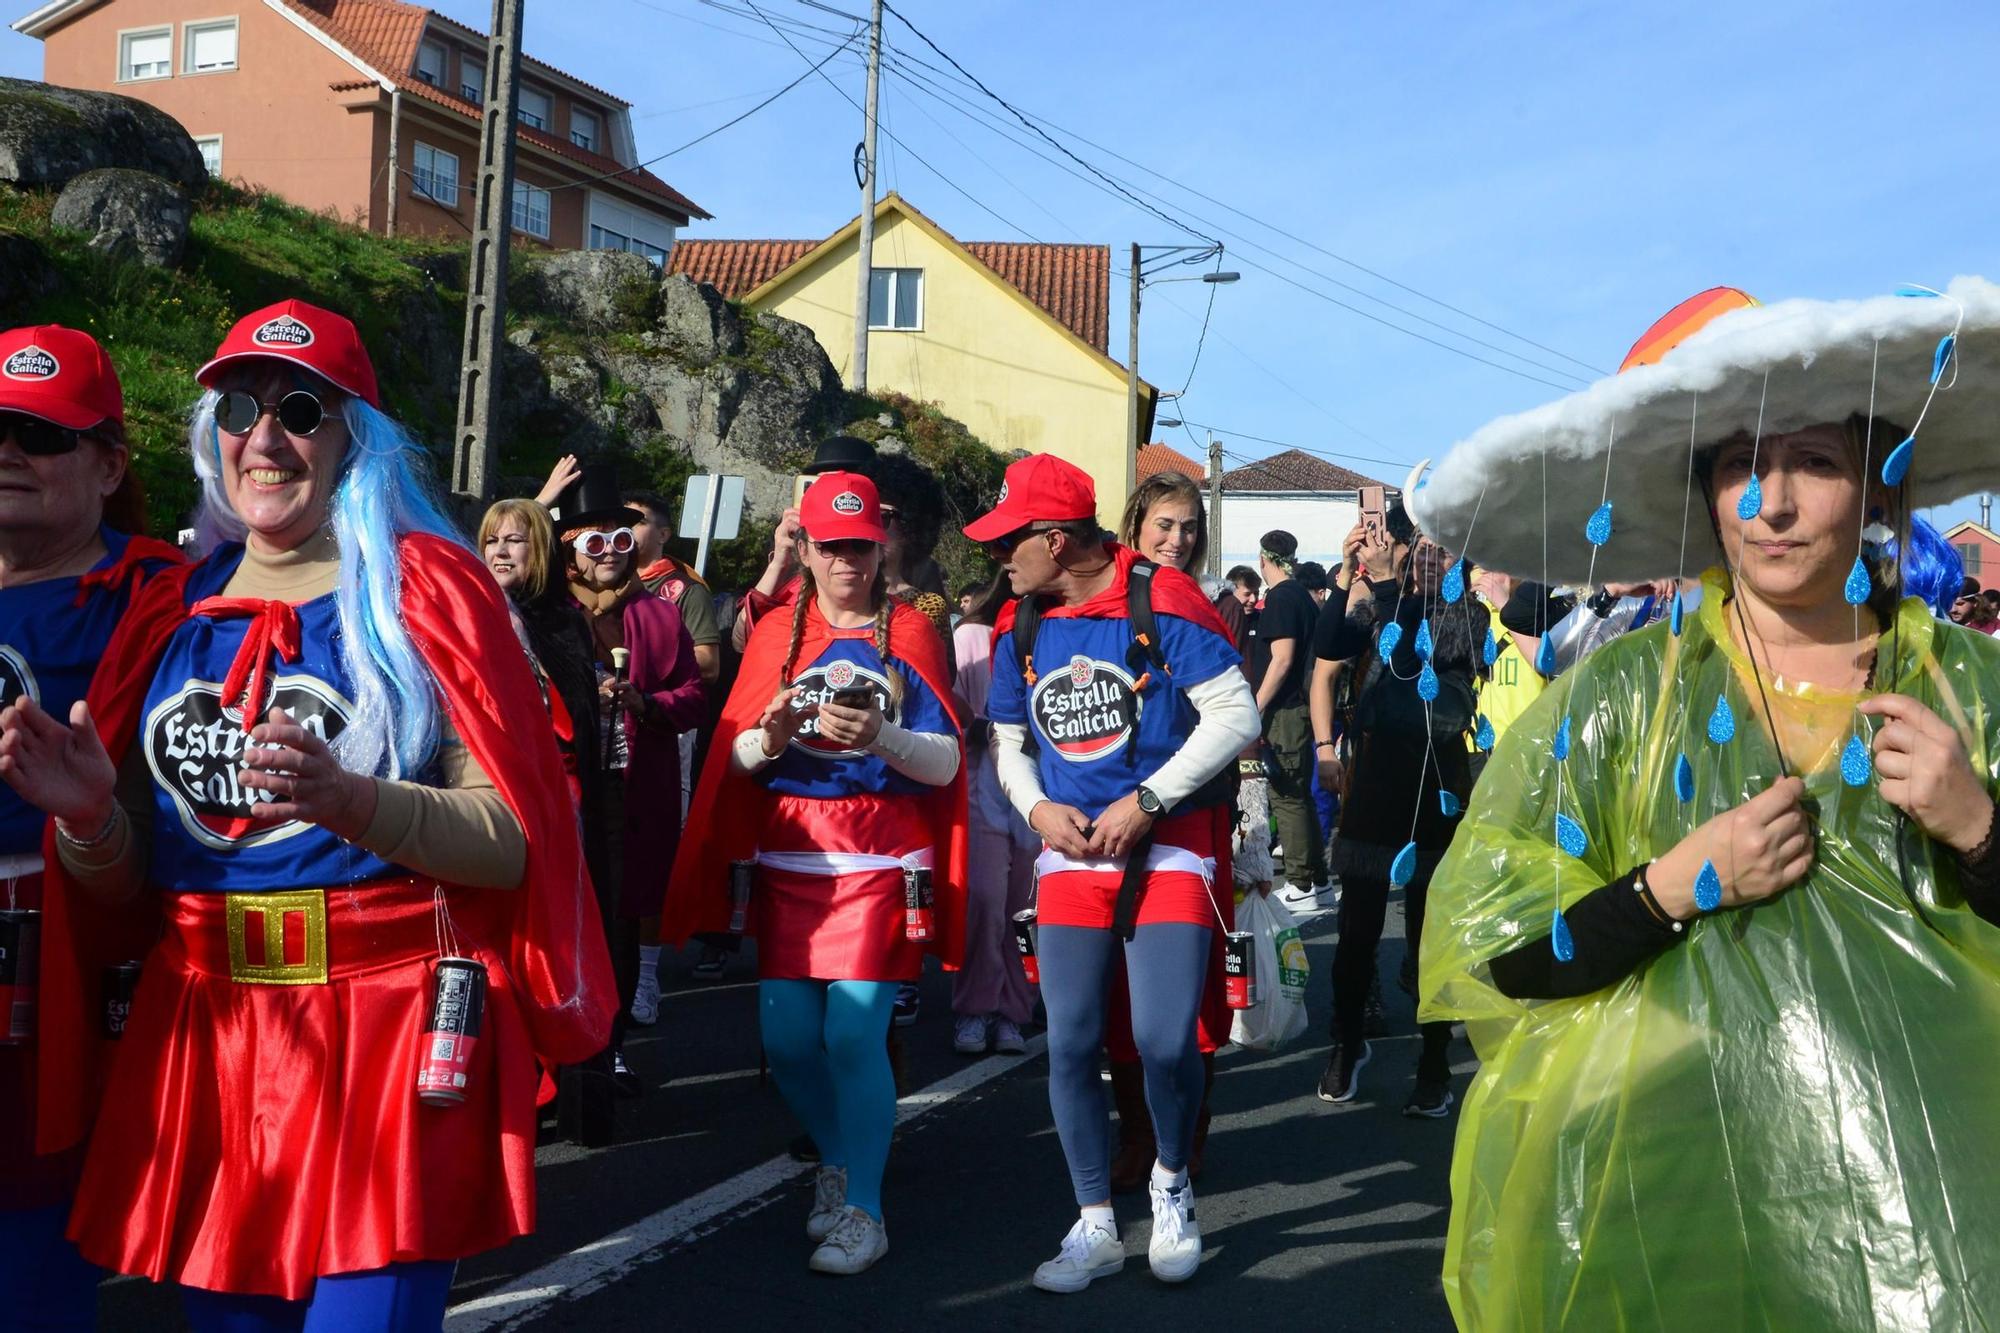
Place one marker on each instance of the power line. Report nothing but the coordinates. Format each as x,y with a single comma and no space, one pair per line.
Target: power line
1202,337
1224,431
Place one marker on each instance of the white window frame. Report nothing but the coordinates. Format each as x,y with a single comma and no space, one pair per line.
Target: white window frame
443,62
467,67
126,36
435,192
521,212
202,141
548,112
596,123
192,27
895,281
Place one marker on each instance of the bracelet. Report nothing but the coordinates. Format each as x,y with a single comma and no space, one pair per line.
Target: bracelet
1652,904
1985,847
1325,745
97,839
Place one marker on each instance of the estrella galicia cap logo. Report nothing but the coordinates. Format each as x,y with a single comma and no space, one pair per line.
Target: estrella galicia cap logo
1087,711
818,685
31,363
1003,496
194,747
284,331
17,678
847,502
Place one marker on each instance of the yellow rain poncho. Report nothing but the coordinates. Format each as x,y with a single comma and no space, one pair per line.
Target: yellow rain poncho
1790,1119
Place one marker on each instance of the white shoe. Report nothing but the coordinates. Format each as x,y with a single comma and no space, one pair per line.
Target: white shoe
1297,899
646,999
1007,1038
1175,1250
852,1247
829,1203
969,1036
1088,1253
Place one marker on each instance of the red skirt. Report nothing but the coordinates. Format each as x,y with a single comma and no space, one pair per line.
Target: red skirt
256,1136
826,924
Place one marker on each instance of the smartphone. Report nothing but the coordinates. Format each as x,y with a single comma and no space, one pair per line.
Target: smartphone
1374,512
799,484
861,698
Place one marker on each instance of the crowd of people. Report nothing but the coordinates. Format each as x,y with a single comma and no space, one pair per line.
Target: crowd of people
351,838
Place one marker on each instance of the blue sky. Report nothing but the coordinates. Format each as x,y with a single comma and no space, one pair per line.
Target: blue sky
1566,171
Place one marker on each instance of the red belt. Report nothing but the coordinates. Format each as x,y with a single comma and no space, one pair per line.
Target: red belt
303,937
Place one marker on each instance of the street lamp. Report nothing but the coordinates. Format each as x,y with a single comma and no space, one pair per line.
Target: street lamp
1161,257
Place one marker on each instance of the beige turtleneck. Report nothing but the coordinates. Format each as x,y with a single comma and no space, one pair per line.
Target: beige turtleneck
461,831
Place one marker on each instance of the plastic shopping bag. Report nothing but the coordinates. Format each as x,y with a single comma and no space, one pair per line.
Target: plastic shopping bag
1280,1012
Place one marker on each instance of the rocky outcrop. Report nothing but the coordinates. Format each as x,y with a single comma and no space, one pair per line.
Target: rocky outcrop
50,135
132,214
600,290
696,323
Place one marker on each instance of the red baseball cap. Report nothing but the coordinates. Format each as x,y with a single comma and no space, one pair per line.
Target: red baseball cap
841,506
324,343
1040,488
59,375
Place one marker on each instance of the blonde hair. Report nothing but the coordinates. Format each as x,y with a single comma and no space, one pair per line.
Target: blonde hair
534,521
885,611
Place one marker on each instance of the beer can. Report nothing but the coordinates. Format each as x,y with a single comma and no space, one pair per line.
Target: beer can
458,1011
919,912
121,982
740,873
20,973
1239,969
1024,940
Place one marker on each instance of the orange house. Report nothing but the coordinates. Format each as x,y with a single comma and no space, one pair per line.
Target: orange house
1979,549
369,109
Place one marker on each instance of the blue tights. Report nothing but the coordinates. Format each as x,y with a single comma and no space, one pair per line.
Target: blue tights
1167,966
402,1298
828,1046
44,1282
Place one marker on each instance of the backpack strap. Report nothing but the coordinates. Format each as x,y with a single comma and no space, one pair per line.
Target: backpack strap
1027,624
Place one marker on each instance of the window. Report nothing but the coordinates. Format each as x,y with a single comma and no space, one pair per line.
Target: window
437,175
896,298
534,110
531,210
603,238
209,47
145,55
472,82
583,129
211,154
1968,555
430,64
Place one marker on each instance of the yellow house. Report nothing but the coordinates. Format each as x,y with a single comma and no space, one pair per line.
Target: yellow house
1008,337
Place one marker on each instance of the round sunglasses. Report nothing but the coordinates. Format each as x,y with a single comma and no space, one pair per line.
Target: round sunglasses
38,438
300,412
596,545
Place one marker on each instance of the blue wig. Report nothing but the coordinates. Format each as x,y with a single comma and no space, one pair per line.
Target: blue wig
384,492
1932,569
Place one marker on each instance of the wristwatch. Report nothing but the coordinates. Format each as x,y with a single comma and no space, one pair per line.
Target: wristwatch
1150,803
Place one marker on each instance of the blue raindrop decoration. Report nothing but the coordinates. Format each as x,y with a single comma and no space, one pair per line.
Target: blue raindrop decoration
1425,643
1545,657
1427,683
1722,722
1751,502
1708,888
1404,867
1598,530
1856,767
1676,615
1491,652
1859,584
1448,805
1453,587
1897,465
1562,739
1684,780
1484,738
1911,289
1392,634
1570,836
1942,357
1559,939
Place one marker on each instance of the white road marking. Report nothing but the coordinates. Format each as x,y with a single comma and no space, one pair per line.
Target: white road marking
608,1259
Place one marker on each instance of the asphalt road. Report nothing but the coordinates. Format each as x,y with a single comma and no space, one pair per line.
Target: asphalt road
1332,1216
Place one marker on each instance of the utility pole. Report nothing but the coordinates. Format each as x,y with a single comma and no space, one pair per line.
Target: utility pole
864,169
1132,383
395,154
1214,569
474,450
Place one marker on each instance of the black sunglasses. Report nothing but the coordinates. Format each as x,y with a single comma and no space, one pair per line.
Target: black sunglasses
300,412
38,438
850,548
1005,546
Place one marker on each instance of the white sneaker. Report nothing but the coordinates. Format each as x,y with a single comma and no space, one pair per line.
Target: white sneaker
1175,1250
1007,1038
1298,899
852,1247
969,1036
829,1203
1088,1253
646,999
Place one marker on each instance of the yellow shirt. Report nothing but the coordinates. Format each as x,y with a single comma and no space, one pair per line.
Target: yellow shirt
1515,685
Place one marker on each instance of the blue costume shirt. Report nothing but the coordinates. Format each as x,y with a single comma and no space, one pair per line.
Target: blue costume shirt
813,767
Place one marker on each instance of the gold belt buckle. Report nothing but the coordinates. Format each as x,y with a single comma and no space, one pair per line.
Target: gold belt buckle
299,909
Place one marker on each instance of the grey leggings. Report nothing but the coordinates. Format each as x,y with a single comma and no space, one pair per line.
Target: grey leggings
1167,966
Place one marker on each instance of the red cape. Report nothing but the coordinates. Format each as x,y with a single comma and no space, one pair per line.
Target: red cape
729,806
1174,594
459,623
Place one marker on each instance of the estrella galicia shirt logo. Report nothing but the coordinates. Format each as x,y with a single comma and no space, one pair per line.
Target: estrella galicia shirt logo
813,766
1085,711
194,747
17,678
31,363
818,684
284,331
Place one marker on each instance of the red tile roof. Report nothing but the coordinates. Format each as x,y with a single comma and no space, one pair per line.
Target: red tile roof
1294,470
1163,458
735,268
384,34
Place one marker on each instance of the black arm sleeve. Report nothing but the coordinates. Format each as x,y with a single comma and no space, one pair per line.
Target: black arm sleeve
1330,630
1614,935
1979,876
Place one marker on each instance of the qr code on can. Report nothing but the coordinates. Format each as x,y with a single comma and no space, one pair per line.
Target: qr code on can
442,1047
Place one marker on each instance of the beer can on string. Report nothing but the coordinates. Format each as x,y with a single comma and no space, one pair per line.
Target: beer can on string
20,973
121,983
1239,969
1024,940
740,873
458,1012
919,911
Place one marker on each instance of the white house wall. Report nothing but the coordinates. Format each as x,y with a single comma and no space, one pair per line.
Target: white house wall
1318,521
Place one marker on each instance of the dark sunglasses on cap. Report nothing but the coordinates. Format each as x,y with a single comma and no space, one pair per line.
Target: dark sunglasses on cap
596,545
300,412
38,438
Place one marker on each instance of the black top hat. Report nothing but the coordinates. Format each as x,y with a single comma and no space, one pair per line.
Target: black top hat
840,453
592,501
